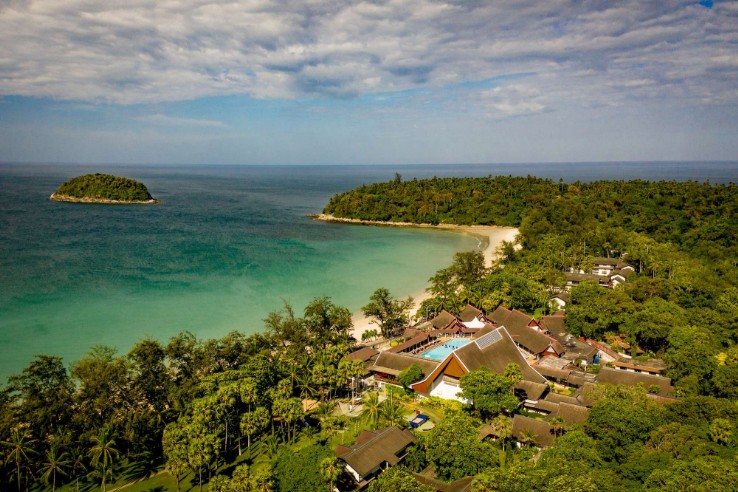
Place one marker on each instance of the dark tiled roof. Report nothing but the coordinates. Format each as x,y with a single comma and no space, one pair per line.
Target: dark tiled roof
469,313
387,445
496,356
363,354
607,261
554,325
558,398
572,414
442,320
418,339
618,376
460,485
394,364
533,391
540,428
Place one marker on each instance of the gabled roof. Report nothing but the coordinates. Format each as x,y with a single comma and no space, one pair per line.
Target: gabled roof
540,428
559,398
443,319
572,414
460,485
394,364
417,339
607,261
555,325
376,448
495,350
469,313
618,376
531,340
363,354
533,391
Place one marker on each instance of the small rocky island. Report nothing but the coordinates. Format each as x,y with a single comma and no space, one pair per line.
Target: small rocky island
103,188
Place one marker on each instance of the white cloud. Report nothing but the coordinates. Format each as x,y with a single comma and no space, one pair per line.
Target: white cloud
587,54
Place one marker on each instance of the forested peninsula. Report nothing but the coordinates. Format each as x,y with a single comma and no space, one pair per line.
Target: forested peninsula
103,188
290,408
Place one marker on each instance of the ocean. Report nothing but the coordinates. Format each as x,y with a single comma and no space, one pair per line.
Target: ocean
227,245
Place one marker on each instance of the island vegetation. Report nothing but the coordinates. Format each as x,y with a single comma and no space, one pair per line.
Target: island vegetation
265,412
103,188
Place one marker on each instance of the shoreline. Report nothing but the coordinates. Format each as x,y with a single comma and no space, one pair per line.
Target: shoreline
104,201
490,237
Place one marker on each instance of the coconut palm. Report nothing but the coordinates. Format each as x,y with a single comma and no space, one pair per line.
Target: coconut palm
391,413
370,410
77,462
558,425
56,463
103,454
330,470
503,429
19,448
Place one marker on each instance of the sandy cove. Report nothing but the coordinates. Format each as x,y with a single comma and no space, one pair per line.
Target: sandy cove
491,238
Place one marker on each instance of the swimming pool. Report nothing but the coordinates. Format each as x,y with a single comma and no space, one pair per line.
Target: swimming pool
442,351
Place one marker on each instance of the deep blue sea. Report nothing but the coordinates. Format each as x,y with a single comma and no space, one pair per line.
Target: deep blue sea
227,245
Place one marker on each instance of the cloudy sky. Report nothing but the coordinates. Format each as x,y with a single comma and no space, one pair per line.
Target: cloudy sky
361,82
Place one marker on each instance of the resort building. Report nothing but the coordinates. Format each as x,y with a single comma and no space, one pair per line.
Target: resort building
373,452
494,350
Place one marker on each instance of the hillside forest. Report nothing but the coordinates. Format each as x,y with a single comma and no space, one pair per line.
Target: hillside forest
228,414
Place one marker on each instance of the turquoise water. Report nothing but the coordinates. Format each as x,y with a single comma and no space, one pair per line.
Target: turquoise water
442,351
227,245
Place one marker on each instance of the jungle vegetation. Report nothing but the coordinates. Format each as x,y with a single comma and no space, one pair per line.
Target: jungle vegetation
227,414
104,187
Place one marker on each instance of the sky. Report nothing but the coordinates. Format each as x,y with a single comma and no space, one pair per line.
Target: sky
367,82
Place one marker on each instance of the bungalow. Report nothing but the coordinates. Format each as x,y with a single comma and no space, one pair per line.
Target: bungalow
527,333
574,349
574,279
559,300
389,365
532,432
652,383
620,276
374,451
494,350
445,321
472,317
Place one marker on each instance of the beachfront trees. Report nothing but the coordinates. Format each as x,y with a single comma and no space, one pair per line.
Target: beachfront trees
43,395
103,454
390,314
19,450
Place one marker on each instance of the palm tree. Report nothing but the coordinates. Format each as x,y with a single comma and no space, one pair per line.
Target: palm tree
503,429
78,462
103,453
55,463
558,425
391,413
370,410
528,438
330,470
19,447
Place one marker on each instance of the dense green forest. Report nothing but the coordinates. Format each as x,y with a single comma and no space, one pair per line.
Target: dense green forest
227,414
104,187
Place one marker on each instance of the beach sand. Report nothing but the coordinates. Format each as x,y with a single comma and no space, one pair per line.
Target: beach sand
490,237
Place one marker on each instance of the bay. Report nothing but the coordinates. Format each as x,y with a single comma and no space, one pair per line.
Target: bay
227,245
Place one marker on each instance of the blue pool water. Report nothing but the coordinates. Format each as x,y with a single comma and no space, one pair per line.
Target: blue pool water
442,351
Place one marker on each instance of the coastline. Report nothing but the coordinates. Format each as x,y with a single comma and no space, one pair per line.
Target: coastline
74,199
490,239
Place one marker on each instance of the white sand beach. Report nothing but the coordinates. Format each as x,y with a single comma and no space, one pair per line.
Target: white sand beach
490,237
